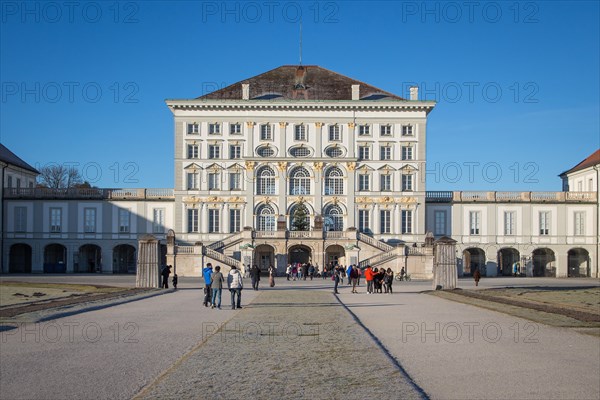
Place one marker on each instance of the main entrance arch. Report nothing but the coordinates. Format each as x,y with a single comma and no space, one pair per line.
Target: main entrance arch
335,254
543,262
55,258
264,255
299,254
19,259
124,259
506,259
579,263
474,258
90,259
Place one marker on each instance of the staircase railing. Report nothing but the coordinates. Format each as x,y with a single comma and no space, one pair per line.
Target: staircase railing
374,242
215,255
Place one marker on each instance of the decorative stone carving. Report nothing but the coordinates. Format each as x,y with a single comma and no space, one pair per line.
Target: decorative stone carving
351,165
250,124
318,166
282,124
351,125
282,166
250,165
318,125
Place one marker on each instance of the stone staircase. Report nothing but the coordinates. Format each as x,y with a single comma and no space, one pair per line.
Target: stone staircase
221,245
215,255
382,257
373,242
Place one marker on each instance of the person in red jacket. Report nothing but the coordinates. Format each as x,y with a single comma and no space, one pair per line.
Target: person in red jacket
369,278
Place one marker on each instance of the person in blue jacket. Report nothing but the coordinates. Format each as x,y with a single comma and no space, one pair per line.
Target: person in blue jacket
207,275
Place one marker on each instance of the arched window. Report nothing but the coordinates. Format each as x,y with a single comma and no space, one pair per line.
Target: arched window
333,219
334,181
265,218
265,181
299,181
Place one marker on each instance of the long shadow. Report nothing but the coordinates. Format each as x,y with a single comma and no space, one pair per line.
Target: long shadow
546,288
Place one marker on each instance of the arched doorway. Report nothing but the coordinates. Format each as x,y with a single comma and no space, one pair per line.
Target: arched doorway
579,263
264,255
543,262
124,259
474,258
507,257
334,255
299,254
90,259
19,259
55,259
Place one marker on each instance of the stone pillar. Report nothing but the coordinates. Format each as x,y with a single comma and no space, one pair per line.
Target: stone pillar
171,259
148,267
444,264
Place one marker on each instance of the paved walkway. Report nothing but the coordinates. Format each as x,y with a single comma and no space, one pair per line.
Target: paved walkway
450,350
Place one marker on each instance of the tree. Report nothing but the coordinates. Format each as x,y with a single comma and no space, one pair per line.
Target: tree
59,177
300,218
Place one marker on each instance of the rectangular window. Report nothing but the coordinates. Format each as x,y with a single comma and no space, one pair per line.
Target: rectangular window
385,153
407,153
385,221
474,222
439,219
214,129
385,130
192,180
193,128
89,220
364,130
407,130
214,151
192,220
265,132
235,151
335,133
407,183
213,221
124,220
55,220
158,220
235,222
9,182
213,181
364,153
544,223
579,223
385,183
590,185
18,183
363,221
193,151
580,186
20,219
235,181
364,183
406,221
509,223
300,133
235,129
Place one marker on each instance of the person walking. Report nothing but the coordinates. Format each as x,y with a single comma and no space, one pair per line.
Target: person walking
388,280
165,272
271,276
255,276
288,271
311,271
235,285
336,280
369,279
217,287
207,275
476,276
348,272
354,278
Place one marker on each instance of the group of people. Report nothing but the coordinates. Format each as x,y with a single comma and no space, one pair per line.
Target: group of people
213,286
164,273
378,280
300,271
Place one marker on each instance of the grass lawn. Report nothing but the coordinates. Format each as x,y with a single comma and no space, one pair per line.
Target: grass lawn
21,293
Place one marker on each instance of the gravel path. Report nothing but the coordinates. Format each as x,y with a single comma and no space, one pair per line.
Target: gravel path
298,344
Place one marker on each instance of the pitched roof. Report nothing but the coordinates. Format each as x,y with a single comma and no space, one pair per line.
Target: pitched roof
300,82
11,158
592,160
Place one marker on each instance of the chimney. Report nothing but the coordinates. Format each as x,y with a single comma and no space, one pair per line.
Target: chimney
355,92
414,93
245,91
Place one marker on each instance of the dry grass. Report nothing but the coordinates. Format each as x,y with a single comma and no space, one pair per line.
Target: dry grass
21,293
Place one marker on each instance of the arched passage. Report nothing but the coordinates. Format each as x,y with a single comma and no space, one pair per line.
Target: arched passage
299,254
90,259
124,259
264,255
19,259
507,257
474,258
543,262
55,258
335,254
579,263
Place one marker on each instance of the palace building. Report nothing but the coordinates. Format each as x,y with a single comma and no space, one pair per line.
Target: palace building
302,164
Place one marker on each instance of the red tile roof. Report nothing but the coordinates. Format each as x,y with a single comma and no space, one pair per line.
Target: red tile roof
592,160
306,82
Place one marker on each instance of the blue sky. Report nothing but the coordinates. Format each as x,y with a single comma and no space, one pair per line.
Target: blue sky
517,83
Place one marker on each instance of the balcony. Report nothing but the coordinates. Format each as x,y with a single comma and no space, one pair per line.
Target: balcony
510,197
89,194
